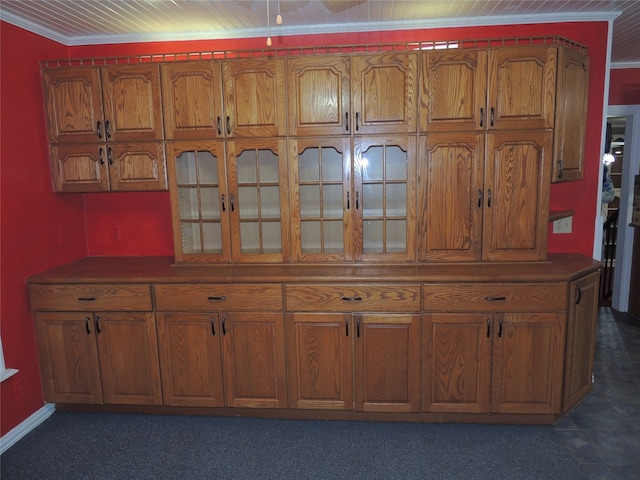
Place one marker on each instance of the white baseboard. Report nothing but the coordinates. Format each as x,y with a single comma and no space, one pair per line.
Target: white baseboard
15,434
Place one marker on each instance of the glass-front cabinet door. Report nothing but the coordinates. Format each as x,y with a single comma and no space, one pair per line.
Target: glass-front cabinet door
199,202
321,199
385,198
258,200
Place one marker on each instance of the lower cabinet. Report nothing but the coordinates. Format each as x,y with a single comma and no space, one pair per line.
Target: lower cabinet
102,357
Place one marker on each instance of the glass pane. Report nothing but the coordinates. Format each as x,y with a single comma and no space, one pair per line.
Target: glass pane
186,168
332,201
396,236
333,236
310,201
396,165
309,165
268,166
188,203
270,202
248,202
331,165
396,200
373,236
372,164
190,233
246,165
249,237
373,200
271,237
310,237
212,237
207,168
209,203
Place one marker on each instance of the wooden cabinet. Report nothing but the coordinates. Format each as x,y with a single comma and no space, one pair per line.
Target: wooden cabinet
215,351
230,201
571,114
581,335
505,359
105,128
484,206
358,94
97,344
254,99
341,358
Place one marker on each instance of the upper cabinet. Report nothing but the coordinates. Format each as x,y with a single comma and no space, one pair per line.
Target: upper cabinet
105,128
361,94
234,98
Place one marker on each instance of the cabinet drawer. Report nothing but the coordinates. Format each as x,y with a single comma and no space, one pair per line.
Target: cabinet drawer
497,297
216,297
353,298
69,297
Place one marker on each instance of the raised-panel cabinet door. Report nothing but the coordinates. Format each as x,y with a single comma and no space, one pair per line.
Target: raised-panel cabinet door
200,204
80,168
457,362
128,352
73,99
322,202
255,372
384,93
133,111
387,363
190,359
454,91
450,180
254,96
192,100
522,87
137,166
516,196
528,363
318,95
384,198
258,201
68,357
320,360
581,338
571,115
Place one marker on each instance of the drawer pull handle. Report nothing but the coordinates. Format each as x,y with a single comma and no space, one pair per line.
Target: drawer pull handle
86,325
578,294
87,299
352,299
223,297
495,299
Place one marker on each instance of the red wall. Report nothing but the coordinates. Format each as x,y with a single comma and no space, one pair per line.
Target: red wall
624,87
42,229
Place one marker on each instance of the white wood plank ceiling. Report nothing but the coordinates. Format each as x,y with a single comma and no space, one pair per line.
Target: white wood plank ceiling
87,22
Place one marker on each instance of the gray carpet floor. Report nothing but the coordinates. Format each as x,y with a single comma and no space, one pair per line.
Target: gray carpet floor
100,446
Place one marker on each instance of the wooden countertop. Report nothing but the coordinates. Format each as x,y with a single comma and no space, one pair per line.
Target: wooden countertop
558,267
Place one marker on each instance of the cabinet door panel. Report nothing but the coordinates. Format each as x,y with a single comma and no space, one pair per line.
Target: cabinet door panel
450,204
318,95
255,97
254,359
137,166
457,362
384,93
528,363
320,361
387,349
80,168
516,199
190,359
73,99
132,103
454,91
129,364
68,357
192,99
